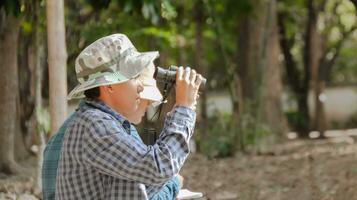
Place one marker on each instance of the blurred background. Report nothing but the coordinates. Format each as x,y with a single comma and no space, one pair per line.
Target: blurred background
278,118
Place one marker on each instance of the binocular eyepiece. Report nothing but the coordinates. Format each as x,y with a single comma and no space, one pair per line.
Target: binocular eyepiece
169,76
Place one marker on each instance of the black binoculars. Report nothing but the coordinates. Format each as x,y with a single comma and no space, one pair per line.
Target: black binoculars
169,76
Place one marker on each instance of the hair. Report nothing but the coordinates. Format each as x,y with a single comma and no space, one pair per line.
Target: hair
92,93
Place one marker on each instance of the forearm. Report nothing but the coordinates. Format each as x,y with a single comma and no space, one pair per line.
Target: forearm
169,191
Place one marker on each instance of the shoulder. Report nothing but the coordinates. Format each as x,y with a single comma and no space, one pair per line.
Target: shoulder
97,122
93,114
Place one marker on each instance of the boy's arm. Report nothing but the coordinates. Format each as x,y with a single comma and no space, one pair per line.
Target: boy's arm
109,149
169,191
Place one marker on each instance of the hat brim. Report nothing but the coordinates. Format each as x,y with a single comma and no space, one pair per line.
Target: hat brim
144,58
151,93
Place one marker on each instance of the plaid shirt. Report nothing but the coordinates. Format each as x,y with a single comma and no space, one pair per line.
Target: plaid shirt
51,157
50,164
99,160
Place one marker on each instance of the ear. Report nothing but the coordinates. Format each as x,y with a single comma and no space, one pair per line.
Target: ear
106,89
109,88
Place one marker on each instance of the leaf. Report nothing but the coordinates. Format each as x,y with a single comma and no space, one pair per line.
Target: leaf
26,27
167,10
145,10
43,119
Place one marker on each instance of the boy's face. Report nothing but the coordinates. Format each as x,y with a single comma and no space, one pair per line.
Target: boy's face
125,97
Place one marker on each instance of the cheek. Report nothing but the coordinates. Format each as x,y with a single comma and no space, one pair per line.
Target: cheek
129,95
142,109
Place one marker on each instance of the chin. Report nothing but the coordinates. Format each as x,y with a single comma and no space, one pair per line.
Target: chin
136,122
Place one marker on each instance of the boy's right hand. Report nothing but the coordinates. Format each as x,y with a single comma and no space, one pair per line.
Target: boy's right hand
187,85
181,179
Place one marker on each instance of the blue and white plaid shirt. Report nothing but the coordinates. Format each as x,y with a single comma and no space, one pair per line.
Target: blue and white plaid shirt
100,160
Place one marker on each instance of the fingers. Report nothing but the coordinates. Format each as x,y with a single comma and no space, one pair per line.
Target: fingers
179,74
193,76
187,74
198,80
187,86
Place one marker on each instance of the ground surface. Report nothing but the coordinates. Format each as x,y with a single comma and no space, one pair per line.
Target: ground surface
302,170
298,169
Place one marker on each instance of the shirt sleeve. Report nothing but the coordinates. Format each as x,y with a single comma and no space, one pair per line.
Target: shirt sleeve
169,191
108,148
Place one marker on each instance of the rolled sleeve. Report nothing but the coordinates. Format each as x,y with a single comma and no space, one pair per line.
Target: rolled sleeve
169,191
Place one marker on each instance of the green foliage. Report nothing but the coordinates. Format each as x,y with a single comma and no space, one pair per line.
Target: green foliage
253,131
291,5
168,11
226,135
164,35
151,9
296,120
221,137
43,119
11,6
346,66
170,27
230,8
26,27
99,4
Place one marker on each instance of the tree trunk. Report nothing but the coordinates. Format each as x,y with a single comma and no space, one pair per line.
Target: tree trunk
320,116
26,84
9,83
300,81
38,134
57,57
248,33
259,68
320,123
312,62
304,118
273,113
199,21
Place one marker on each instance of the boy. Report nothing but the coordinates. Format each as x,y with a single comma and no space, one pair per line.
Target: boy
100,158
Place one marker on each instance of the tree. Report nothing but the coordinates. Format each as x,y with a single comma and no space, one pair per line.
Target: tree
330,52
272,83
319,54
299,79
199,22
259,71
9,30
57,58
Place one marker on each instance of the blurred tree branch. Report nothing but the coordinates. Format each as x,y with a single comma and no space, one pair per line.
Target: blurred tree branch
287,44
330,55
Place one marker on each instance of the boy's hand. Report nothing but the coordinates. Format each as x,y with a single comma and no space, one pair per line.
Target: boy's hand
187,85
181,179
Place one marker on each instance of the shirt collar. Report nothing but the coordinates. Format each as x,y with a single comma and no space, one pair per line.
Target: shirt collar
105,108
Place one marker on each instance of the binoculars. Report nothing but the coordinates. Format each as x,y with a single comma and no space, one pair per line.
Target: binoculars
169,76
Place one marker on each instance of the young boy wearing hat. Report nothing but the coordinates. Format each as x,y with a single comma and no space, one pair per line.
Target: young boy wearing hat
100,157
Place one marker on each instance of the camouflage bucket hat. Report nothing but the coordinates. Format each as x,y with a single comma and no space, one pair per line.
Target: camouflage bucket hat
109,60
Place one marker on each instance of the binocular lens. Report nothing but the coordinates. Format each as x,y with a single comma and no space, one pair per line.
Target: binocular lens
169,76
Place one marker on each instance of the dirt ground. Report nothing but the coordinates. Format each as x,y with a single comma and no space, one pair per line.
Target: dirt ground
301,170
298,169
